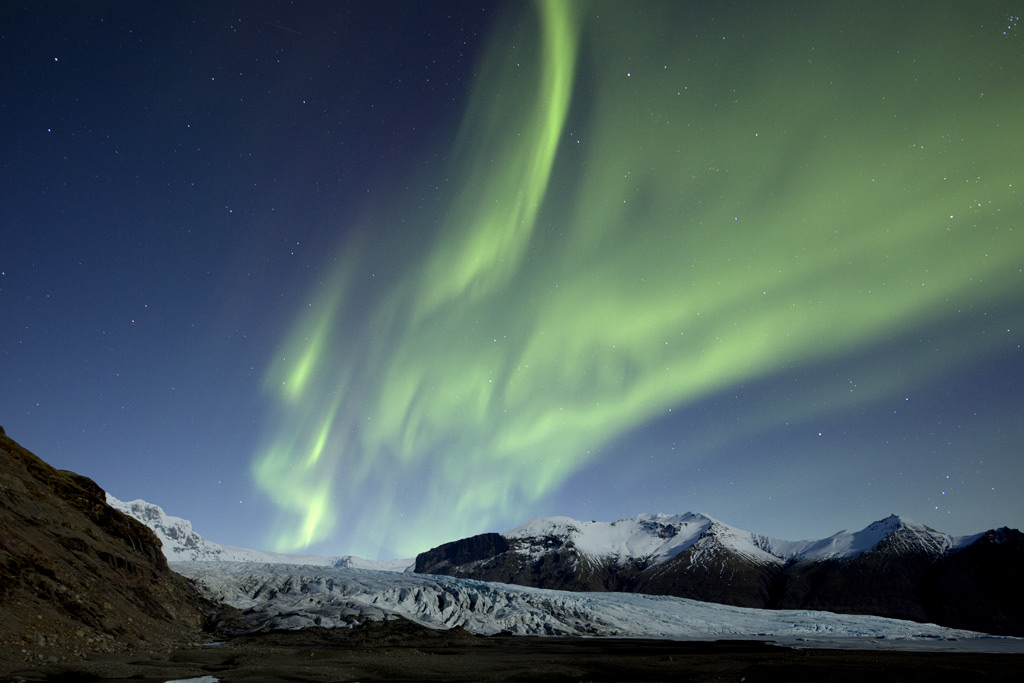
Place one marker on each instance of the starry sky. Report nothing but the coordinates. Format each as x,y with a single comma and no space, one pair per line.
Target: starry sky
365,277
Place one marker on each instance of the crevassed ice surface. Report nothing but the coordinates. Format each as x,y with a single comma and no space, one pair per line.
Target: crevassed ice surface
290,596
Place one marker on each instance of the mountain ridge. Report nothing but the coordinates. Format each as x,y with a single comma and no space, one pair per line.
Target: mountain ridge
894,567
658,537
181,543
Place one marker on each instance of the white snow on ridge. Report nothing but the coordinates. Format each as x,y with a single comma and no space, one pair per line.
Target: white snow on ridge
293,596
905,532
181,543
653,538
660,537
656,537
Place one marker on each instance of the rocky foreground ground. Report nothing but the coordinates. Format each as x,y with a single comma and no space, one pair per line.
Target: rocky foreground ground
402,651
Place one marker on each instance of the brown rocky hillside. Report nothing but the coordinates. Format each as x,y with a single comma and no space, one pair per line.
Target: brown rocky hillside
78,577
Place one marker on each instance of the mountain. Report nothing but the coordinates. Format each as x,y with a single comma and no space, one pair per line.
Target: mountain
893,568
77,576
181,543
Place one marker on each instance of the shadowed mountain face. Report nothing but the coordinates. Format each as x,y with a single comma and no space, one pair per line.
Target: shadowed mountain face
78,577
987,578
907,571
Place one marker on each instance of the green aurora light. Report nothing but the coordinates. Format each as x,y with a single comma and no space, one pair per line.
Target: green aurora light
651,206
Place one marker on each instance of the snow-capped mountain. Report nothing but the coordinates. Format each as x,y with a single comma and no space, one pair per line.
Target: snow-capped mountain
181,543
658,538
644,540
894,534
891,568
649,540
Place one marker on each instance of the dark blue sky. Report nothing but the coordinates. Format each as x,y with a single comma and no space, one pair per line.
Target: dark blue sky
372,276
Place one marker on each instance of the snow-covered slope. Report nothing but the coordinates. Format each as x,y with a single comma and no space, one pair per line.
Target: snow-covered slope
892,534
641,542
289,596
653,539
181,543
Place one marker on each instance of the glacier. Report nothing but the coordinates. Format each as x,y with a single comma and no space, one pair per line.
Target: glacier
288,596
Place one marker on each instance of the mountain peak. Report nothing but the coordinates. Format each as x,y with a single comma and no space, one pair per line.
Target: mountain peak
893,522
648,536
181,543
892,534
905,535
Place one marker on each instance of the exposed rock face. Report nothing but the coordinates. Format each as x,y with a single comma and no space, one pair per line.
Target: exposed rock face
709,570
912,572
561,566
977,586
77,576
988,579
461,552
886,586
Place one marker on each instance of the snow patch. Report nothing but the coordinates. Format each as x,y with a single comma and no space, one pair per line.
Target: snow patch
893,534
181,543
654,538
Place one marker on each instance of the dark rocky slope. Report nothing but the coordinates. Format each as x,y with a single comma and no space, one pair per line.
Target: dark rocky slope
78,577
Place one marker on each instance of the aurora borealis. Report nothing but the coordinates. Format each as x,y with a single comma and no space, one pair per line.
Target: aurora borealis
763,260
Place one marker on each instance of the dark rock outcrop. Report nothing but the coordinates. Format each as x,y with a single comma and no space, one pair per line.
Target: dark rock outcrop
491,557
710,572
77,576
980,587
460,552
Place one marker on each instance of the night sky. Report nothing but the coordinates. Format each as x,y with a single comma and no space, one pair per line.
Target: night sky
361,278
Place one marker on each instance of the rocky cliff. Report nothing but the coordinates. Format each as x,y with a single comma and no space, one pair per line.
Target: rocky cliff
78,577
